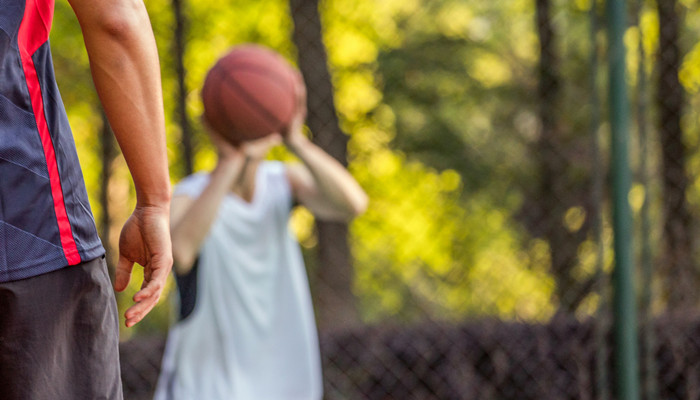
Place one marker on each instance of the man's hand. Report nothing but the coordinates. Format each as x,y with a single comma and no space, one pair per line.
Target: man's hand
145,239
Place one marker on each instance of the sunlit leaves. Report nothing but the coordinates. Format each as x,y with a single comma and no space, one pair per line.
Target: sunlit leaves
437,100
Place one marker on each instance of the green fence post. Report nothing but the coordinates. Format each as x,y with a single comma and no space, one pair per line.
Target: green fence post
625,310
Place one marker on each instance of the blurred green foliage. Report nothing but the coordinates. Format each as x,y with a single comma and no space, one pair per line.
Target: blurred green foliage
438,100
425,105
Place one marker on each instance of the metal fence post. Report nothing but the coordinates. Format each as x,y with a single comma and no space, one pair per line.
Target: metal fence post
626,349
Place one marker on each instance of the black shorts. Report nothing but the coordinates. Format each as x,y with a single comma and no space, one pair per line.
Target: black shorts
59,336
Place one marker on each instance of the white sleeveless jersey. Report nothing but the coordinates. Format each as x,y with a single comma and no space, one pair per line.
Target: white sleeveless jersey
251,334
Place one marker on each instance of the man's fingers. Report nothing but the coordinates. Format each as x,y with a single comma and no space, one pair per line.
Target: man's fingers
155,277
139,310
148,296
123,273
152,287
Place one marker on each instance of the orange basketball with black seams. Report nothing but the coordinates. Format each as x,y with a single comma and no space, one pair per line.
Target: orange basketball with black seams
249,93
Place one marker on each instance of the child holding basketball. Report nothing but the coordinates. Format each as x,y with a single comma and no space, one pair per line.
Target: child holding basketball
247,326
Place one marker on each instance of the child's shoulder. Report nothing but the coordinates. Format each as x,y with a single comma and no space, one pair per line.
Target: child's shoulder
275,171
192,185
274,168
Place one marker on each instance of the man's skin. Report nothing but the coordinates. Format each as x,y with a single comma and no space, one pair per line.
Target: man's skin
125,68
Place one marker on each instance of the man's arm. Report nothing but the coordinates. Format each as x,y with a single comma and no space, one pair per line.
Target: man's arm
125,69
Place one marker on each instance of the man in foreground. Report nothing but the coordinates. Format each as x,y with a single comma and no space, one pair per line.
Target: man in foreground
58,315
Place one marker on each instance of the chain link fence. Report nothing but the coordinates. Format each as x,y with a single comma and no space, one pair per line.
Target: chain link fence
481,269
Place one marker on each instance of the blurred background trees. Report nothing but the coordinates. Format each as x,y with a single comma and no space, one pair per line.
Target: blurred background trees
479,130
468,123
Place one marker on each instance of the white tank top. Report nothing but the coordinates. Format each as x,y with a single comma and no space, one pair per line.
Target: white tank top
251,334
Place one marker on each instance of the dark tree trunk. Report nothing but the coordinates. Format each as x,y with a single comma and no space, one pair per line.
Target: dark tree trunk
179,48
678,222
336,303
555,194
108,152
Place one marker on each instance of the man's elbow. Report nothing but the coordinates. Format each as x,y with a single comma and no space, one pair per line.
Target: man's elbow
124,21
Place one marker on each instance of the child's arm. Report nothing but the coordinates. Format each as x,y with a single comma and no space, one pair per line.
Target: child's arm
321,183
190,218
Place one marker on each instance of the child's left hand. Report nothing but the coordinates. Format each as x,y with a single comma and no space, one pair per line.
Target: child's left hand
294,133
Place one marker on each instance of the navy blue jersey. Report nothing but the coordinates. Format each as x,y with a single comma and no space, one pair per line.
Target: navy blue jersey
45,218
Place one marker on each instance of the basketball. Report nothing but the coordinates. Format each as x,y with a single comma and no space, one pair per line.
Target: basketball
249,93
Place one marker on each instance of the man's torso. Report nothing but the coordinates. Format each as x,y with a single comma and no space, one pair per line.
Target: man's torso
45,217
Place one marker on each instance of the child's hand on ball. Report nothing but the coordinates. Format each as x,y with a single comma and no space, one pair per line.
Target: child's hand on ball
294,134
224,148
257,149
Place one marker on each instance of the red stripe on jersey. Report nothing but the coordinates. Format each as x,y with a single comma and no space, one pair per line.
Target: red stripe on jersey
33,33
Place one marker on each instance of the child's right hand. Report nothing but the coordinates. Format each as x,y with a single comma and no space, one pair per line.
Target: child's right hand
252,150
255,150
